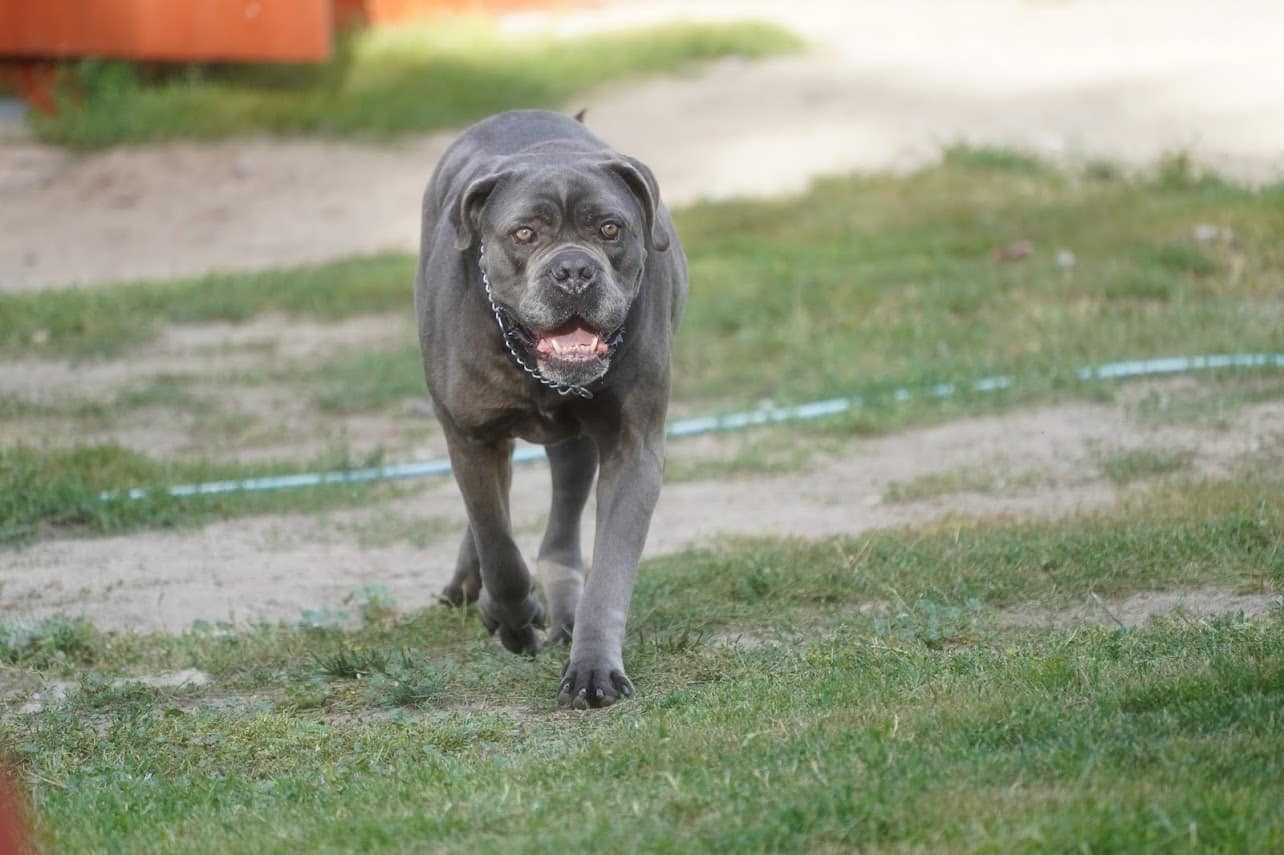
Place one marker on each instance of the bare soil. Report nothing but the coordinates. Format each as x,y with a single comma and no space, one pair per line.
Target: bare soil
1139,609
886,87
278,567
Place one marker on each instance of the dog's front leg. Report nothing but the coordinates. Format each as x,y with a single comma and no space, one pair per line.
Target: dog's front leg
507,602
632,466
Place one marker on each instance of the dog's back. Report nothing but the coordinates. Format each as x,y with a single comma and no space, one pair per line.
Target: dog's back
519,130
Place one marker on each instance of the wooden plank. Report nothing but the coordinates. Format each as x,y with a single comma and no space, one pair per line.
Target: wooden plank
187,30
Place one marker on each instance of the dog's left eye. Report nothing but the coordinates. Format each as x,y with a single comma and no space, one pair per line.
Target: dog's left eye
524,235
609,231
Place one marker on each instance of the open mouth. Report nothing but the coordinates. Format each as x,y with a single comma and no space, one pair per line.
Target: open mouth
573,341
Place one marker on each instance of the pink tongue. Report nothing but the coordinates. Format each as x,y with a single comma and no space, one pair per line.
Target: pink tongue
578,337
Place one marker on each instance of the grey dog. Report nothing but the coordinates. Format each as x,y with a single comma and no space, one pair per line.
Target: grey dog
549,288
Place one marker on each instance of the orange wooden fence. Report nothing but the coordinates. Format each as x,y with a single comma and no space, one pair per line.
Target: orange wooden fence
36,33
206,30
283,30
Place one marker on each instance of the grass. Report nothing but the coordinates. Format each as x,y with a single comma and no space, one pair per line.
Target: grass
368,381
56,491
923,724
1185,535
1125,467
382,82
169,392
108,321
891,279
925,727
1206,405
968,479
859,285
753,454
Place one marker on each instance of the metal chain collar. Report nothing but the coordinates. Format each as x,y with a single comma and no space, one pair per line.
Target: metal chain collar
559,388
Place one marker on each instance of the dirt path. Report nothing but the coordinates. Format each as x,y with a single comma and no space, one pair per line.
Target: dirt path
275,568
886,86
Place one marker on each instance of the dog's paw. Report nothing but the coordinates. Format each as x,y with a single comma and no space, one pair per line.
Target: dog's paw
590,684
516,625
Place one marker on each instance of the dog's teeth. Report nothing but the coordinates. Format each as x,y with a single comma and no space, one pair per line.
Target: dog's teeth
592,348
557,346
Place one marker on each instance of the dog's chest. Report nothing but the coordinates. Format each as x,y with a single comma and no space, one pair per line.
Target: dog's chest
542,427
546,428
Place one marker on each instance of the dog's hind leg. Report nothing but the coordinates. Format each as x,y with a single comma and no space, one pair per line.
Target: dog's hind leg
561,561
465,585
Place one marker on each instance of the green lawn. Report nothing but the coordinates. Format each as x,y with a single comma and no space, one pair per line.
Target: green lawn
891,279
108,321
774,713
382,82
860,281
859,693
56,492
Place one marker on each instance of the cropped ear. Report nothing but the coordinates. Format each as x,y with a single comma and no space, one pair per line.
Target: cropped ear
467,214
640,180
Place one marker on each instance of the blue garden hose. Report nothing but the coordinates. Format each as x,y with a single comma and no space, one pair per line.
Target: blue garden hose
718,424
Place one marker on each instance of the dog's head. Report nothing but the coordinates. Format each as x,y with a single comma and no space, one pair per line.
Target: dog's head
565,246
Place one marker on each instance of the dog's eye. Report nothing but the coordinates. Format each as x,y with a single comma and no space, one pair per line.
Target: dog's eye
524,235
609,231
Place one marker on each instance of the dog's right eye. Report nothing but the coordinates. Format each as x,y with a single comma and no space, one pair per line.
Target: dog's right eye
524,235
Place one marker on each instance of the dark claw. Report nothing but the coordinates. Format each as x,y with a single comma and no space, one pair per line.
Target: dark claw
584,689
622,684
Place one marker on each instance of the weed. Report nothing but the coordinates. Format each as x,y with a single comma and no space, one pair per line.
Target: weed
407,681
352,664
51,643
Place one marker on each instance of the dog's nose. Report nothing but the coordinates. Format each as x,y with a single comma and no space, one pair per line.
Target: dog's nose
573,270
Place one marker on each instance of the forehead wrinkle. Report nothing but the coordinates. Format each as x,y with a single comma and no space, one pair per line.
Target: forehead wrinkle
589,198
541,207
574,196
